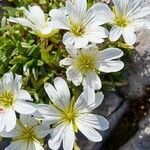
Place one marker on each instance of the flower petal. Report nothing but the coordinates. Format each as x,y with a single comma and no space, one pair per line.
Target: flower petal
42,130
95,121
88,131
80,104
10,120
37,12
54,95
29,120
68,39
17,83
110,66
72,51
47,29
72,12
110,54
22,21
83,107
115,33
8,80
66,62
59,19
104,13
2,120
15,132
56,136
36,15
17,145
96,34
49,113
34,145
92,80
24,95
91,83
62,90
89,94
74,75
80,42
129,36
24,107
68,137
98,100
81,7
77,41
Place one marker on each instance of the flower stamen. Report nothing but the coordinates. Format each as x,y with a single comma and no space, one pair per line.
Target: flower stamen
85,62
78,30
6,99
120,19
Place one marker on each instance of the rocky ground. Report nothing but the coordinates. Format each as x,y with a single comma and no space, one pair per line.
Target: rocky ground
141,140
131,133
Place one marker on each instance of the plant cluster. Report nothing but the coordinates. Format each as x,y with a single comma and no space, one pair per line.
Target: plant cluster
76,44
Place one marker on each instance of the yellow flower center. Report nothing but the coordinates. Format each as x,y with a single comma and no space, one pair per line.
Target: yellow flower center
77,30
28,133
6,99
120,19
69,115
85,62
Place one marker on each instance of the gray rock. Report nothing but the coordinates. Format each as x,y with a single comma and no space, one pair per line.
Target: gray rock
113,108
139,78
141,141
4,143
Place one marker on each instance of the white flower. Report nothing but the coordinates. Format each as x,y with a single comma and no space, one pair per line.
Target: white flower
69,115
35,19
84,65
126,17
28,134
13,98
83,26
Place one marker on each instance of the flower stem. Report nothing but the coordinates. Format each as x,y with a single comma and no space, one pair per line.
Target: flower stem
44,49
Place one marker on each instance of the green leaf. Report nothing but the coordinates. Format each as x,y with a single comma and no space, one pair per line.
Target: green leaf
19,59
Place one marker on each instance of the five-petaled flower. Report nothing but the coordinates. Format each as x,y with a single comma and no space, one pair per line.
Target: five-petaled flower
13,98
28,134
35,19
127,17
85,64
83,26
68,115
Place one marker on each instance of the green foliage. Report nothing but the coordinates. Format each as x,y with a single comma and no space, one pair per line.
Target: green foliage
46,4
20,52
37,60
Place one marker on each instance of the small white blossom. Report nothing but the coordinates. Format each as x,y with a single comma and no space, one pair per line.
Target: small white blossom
83,25
28,134
84,65
127,17
13,98
35,19
68,115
